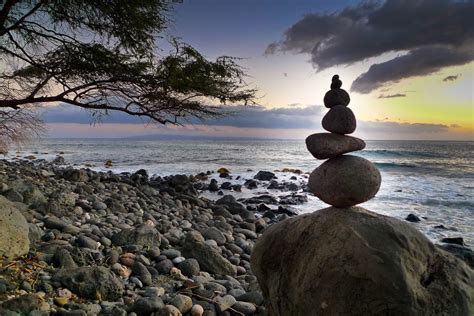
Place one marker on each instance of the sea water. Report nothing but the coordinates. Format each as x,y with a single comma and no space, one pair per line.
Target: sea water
432,179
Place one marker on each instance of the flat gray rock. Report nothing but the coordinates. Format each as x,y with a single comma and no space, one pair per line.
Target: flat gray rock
345,181
340,120
329,145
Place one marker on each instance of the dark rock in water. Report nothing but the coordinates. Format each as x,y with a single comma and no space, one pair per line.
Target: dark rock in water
288,210
144,236
453,240
264,175
262,207
226,186
345,181
336,97
340,120
264,198
328,145
463,253
231,203
355,262
89,282
59,160
14,231
213,186
412,218
237,187
440,227
209,258
293,199
251,184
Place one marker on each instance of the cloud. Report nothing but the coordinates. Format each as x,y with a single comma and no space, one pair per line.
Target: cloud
389,96
292,116
432,33
422,61
451,78
386,127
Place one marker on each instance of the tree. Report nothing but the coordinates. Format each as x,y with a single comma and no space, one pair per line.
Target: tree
101,55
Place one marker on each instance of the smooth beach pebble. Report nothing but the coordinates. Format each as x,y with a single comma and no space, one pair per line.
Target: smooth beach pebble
336,97
345,181
340,120
328,145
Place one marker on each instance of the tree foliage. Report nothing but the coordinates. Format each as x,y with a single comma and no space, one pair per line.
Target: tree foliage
101,55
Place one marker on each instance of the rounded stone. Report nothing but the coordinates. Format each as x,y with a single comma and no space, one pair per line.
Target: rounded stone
355,262
340,120
336,97
328,145
345,181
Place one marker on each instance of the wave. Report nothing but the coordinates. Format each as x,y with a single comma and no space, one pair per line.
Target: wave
394,165
400,154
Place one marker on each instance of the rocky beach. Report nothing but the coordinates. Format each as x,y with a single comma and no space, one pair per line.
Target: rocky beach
75,241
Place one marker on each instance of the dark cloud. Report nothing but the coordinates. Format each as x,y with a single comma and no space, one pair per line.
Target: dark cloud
390,96
422,61
451,78
435,33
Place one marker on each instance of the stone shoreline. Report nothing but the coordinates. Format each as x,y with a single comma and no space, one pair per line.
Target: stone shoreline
103,244
127,244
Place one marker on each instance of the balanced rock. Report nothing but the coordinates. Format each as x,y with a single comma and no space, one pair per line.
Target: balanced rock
336,83
328,145
14,231
336,97
340,120
345,181
355,262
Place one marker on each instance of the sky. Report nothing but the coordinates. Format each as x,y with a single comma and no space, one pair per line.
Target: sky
407,64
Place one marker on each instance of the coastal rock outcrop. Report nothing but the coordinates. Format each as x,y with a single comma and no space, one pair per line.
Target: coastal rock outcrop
350,261
14,231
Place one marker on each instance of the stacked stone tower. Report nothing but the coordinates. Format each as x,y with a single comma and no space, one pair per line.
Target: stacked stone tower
342,180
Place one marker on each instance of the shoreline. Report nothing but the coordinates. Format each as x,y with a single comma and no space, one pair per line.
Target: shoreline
156,241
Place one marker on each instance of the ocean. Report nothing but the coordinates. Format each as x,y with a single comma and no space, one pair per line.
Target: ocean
431,179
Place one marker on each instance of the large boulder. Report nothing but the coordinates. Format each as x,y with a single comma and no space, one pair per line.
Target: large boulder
328,145
14,231
355,262
209,258
345,181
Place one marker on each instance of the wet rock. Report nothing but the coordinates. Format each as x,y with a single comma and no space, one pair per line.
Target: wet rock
453,240
264,176
412,218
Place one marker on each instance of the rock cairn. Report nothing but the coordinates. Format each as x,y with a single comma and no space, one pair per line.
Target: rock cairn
346,260
342,180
